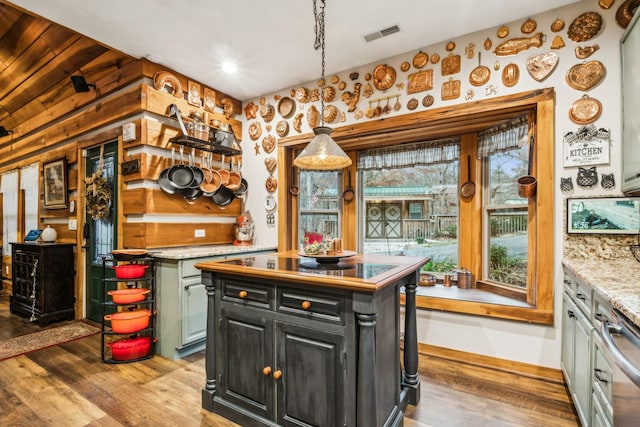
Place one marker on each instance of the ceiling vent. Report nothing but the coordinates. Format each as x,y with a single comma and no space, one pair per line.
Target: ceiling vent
382,33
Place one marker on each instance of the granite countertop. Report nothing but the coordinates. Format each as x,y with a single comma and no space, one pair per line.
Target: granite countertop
616,280
188,252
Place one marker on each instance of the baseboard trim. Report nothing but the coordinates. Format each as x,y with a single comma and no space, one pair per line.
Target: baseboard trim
504,365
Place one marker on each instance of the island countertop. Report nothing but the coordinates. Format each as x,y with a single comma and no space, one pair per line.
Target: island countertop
360,272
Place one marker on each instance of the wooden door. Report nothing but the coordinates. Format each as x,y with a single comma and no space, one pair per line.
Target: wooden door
100,234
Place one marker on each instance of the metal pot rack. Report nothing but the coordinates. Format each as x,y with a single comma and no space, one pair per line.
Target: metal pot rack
200,144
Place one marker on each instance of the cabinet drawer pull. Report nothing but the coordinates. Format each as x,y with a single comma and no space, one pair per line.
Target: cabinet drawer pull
242,294
571,314
306,305
266,370
598,374
600,317
581,296
277,374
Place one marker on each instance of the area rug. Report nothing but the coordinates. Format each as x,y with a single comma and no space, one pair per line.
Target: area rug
16,346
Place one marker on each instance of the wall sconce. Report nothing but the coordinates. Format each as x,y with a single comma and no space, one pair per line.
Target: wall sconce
81,85
5,132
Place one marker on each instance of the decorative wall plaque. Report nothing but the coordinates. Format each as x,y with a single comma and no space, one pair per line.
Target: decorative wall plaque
421,81
450,89
451,65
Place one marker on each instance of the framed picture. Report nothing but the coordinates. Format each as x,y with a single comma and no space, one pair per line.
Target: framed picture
193,95
209,100
608,215
55,184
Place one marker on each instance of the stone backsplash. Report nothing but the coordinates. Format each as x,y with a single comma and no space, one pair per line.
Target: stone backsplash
598,246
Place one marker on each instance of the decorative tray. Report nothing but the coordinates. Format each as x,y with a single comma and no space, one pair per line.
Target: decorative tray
329,259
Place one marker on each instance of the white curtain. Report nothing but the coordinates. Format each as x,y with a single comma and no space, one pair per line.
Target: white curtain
29,184
9,190
409,155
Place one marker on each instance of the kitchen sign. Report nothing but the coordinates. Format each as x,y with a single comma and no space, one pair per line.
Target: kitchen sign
588,146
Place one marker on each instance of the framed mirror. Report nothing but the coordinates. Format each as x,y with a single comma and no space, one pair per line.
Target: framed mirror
609,215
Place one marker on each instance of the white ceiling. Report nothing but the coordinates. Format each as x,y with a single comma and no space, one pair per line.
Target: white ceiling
272,40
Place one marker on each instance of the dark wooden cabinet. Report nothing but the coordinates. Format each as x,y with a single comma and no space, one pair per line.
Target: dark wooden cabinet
43,273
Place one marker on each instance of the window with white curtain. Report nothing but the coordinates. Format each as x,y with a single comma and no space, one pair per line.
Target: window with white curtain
29,184
9,190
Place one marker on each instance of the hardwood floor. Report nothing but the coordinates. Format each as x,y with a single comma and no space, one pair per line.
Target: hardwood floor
67,385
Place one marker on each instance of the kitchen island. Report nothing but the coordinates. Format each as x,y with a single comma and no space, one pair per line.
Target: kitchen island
293,341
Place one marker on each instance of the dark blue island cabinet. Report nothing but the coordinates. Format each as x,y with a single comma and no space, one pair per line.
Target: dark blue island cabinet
299,341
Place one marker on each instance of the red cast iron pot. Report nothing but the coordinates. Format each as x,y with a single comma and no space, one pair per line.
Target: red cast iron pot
127,322
130,271
130,348
128,296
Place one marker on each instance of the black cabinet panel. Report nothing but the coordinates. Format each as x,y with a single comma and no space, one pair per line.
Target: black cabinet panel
49,268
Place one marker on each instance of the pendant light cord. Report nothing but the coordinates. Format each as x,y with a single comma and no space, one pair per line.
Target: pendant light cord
319,44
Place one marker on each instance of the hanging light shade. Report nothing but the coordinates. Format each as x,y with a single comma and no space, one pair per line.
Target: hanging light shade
322,153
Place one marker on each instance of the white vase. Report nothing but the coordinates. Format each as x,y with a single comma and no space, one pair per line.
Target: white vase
49,234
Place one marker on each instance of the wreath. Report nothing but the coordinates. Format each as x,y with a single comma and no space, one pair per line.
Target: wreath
97,195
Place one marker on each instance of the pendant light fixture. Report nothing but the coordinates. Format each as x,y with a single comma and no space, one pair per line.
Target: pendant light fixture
322,153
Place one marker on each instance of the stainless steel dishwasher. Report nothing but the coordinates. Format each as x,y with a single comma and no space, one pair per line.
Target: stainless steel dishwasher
622,338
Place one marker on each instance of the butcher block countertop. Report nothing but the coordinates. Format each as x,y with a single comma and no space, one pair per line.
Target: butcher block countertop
616,280
359,272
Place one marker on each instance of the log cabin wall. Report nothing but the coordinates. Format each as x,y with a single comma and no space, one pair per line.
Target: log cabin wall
50,120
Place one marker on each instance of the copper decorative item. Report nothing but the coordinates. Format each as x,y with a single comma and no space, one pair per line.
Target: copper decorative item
384,77
450,89
529,26
585,27
329,93
251,110
282,128
193,96
479,75
412,104
209,99
352,98
625,12
585,110
330,113
367,76
268,144
368,90
450,46
297,122
271,163
313,116
302,94
420,59
271,184
557,25
487,44
427,101
470,50
503,32
510,75
586,51
255,130
314,95
342,85
557,43
405,66
585,76
420,81
163,78
605,4
435,58
541,65
450,65
518,44
227,108
267,112
286,107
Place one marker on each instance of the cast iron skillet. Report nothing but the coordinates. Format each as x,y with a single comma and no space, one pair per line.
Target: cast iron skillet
180,176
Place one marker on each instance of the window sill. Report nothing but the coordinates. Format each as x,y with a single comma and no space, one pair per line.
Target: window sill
479,302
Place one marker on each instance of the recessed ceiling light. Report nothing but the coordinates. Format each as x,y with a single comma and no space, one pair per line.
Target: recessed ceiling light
229,67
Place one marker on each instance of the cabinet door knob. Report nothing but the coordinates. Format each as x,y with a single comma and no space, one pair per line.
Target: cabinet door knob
266,370
277,374
242,294
306,305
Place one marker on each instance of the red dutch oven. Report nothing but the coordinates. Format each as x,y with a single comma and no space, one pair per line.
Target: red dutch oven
130,348
128,296
130,271
127,322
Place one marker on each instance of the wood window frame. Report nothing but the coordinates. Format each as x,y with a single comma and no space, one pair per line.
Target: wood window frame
464,120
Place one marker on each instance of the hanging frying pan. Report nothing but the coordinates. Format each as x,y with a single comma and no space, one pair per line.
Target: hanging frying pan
163,179
348,193
293,188
468,189
479,75
180,175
